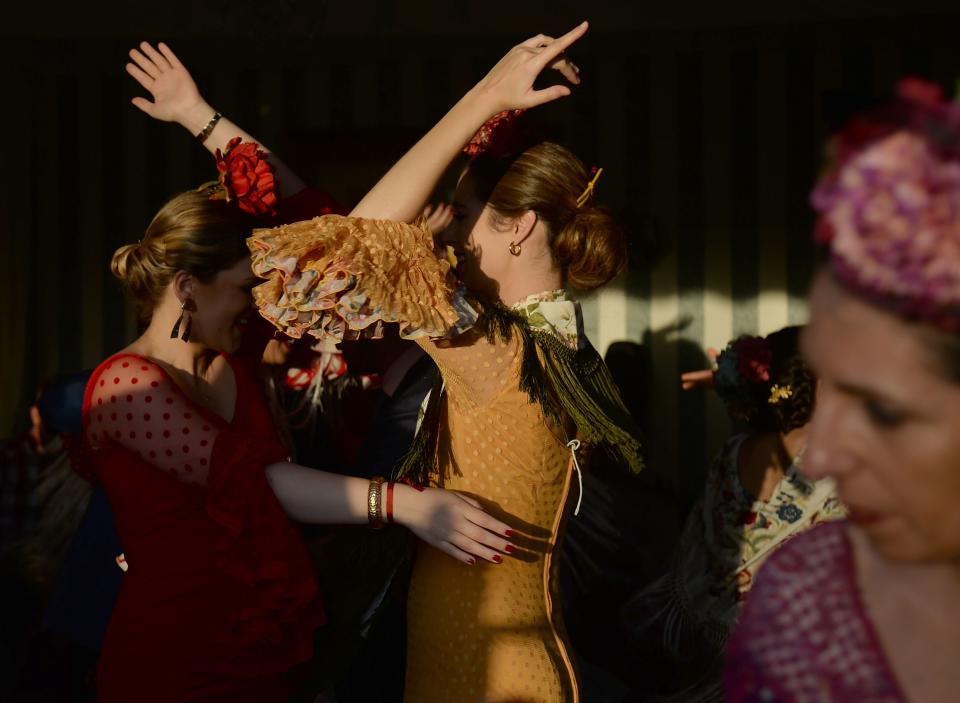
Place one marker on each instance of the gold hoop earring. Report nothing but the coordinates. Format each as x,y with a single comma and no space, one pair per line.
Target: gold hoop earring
514,248
186,308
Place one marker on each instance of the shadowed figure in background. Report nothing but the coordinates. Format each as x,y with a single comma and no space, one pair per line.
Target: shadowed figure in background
755,498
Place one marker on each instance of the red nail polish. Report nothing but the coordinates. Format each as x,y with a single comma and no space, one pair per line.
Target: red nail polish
497,558
509,533
471,562
509,549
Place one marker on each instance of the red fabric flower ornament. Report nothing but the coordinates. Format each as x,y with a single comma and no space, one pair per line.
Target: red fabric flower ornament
499,135
247,177
754,359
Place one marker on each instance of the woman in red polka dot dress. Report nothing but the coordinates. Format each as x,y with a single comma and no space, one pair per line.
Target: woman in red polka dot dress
219,602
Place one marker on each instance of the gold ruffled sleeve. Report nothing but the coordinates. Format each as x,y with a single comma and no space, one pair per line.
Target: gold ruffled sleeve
338,278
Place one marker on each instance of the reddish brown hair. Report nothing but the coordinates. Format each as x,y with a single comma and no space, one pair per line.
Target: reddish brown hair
586,242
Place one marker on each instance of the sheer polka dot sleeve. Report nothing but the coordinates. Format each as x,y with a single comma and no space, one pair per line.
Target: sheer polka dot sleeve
133,410
134,404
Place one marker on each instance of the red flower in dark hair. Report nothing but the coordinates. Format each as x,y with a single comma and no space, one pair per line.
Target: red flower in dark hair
919,91
247,176
499,135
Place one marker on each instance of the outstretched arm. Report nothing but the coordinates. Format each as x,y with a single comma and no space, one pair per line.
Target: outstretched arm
177,99
135,405
402,192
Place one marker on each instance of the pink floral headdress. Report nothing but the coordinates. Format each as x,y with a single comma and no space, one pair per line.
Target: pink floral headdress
889,208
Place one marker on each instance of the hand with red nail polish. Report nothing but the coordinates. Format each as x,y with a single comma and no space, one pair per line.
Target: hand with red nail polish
451,522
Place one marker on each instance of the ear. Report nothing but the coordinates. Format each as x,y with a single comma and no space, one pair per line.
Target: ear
523,225
183,285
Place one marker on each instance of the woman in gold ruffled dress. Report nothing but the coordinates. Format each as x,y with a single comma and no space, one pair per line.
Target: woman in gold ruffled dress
521,386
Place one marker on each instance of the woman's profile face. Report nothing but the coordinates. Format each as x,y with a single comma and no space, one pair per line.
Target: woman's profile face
482,250
886,425
224,306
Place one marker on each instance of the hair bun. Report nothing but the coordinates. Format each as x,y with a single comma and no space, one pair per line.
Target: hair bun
591,248
121,263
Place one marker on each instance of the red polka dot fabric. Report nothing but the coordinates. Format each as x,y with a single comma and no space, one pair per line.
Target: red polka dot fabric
137,405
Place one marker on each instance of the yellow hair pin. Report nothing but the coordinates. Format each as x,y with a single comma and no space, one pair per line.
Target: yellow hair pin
588,191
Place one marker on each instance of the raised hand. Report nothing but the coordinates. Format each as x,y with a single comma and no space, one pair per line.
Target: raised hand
174,92
702,378
509,84
438,217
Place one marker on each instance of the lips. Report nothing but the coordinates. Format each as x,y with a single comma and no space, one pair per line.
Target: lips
862,517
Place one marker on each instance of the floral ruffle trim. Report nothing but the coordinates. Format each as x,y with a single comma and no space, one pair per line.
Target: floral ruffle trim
338,278
278,600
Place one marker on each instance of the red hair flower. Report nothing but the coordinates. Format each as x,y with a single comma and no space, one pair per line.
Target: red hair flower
499,135
754,359
247,176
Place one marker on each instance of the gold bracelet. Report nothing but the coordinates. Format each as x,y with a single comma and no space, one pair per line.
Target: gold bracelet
374,493
205,132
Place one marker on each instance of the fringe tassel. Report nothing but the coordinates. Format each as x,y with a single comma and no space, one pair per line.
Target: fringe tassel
420,461
575,383
561,381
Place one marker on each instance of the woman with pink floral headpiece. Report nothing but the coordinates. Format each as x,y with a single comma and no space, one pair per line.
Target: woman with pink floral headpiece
866,609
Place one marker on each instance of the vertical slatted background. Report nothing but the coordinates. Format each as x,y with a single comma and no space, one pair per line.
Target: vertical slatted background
712,135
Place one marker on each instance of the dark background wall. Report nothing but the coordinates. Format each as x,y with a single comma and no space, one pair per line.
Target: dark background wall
707,118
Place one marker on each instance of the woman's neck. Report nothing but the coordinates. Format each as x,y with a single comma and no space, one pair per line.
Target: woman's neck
793,443
156,343
517,288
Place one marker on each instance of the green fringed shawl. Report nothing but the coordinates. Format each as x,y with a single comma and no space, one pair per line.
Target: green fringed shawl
566,383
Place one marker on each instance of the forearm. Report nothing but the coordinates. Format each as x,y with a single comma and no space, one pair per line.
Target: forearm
319,497
196,118
402,192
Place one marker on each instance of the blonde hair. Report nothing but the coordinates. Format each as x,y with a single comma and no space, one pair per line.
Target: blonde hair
586,241
190,233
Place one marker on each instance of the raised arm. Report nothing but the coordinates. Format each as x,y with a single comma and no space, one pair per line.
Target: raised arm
177,99
401,193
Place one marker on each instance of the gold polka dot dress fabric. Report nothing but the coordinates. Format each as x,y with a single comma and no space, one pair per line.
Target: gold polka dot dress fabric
491,632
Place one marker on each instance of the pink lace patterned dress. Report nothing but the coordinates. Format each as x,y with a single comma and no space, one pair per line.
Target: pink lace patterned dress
805,635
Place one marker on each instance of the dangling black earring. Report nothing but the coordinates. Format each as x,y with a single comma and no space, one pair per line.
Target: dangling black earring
186,308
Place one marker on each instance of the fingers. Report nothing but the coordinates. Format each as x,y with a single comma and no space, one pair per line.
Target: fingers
155,56
486,538
456,552
568,70
556,47
469,501
145,64
143,104
481,518
554,92
537,41
693,379
169,55
471,547
140,76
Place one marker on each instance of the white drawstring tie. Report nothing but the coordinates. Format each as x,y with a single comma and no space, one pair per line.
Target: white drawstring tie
574,445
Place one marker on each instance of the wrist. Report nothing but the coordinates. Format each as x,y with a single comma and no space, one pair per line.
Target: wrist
195,117
479,105
405,501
